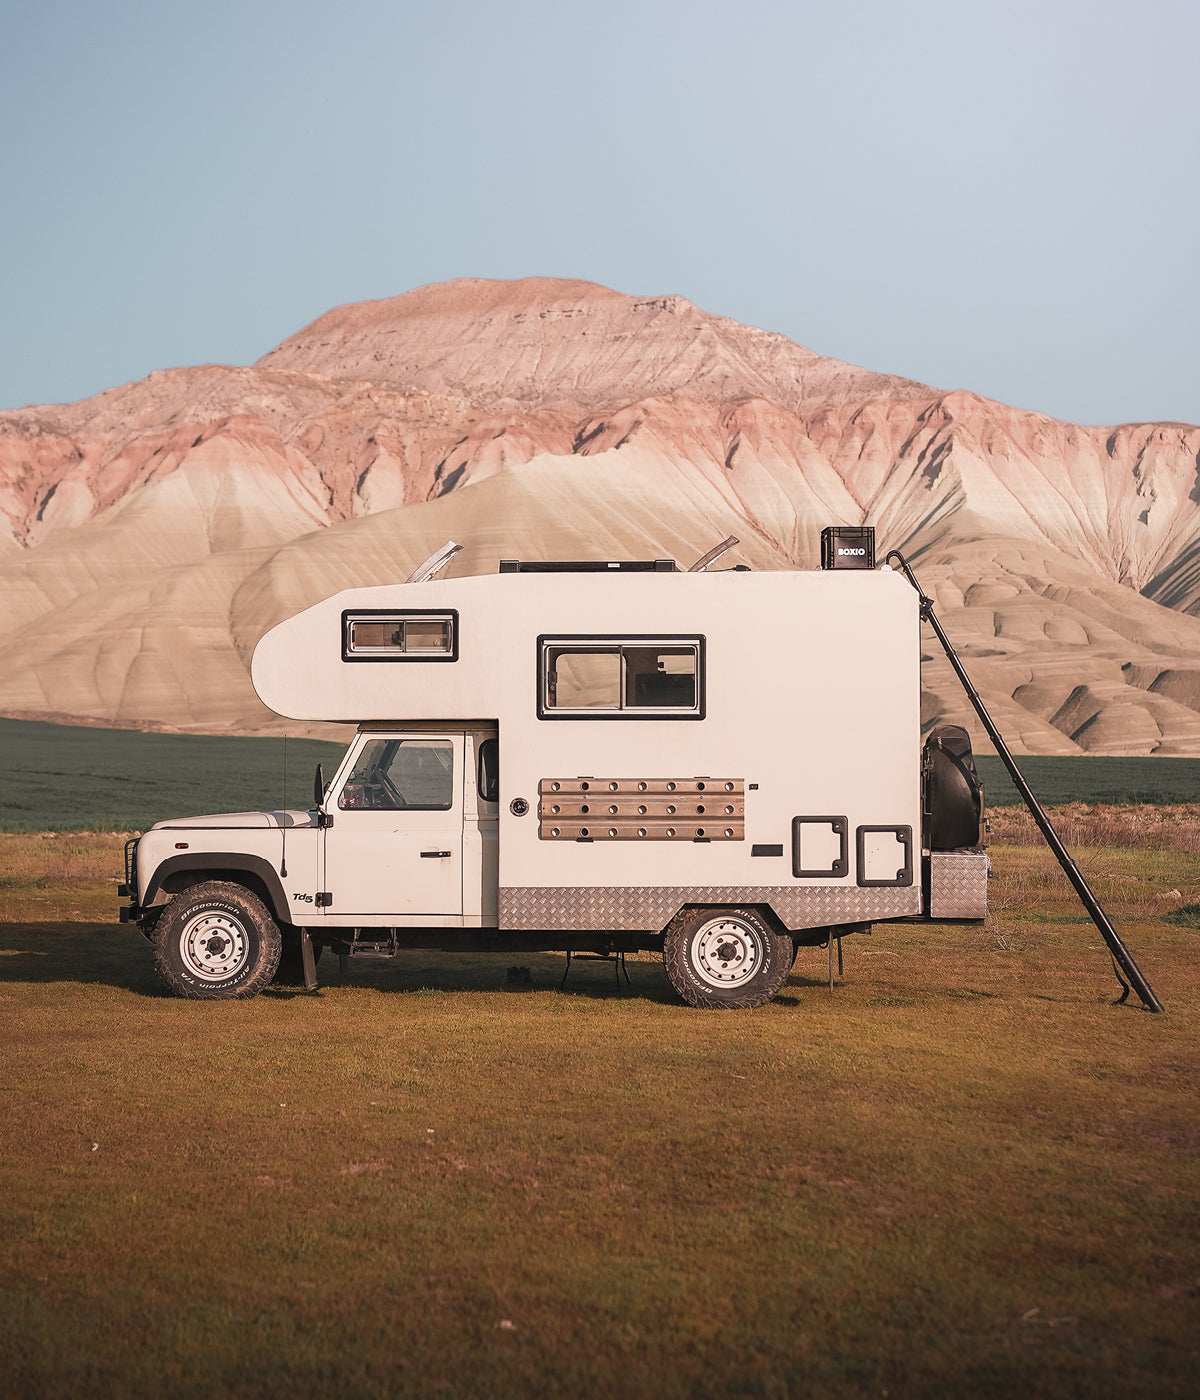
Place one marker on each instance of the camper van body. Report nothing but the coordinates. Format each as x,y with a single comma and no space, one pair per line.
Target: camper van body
580,758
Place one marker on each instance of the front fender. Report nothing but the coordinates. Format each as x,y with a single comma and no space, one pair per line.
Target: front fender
220,865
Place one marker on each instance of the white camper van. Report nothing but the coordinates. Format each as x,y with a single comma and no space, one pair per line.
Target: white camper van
594,757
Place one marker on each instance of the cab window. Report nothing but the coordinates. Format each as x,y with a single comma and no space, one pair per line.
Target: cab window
489,770
395,775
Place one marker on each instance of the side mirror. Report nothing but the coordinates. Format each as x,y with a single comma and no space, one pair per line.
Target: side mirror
323,817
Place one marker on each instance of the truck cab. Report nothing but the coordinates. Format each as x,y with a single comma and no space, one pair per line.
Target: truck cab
410,832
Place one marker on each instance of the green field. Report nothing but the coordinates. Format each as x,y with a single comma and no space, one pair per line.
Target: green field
72,778
962,1173
1057,780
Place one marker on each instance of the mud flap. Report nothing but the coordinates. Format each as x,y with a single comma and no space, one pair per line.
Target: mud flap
307,959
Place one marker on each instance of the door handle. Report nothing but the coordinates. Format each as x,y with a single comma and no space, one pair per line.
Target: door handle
435,855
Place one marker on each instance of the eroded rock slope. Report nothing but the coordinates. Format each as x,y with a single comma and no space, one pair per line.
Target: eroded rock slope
149,535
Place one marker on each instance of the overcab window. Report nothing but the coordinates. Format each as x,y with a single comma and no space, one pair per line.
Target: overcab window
621,677
405,634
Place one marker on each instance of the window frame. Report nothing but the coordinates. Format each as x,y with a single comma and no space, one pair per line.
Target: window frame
352,615
607,641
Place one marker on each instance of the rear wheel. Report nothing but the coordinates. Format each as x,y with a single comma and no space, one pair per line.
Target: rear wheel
216,942
726,958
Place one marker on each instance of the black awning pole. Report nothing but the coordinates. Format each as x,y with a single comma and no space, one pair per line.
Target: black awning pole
1122,958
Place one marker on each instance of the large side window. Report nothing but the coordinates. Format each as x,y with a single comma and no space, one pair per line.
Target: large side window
621,677
395,775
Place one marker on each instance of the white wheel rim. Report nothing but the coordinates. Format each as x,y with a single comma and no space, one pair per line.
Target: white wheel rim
214,946
725,952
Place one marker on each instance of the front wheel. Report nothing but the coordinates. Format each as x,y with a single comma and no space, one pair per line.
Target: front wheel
216,942
726,958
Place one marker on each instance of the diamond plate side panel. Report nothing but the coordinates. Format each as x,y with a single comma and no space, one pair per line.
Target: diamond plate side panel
958,884
620,907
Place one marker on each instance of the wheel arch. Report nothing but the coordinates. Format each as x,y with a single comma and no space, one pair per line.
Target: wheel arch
179,873
765,911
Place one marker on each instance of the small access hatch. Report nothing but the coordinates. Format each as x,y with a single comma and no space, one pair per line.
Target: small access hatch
819,847
884,856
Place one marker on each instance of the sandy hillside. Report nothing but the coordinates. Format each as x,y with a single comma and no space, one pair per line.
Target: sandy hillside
150,534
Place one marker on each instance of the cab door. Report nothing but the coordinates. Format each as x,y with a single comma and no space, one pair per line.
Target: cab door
394,853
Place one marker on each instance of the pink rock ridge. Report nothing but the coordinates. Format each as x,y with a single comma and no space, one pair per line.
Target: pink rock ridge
639,418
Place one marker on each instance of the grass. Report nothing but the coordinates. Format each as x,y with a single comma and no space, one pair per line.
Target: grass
1140,826
69,778
963,1172
61,777
1126,781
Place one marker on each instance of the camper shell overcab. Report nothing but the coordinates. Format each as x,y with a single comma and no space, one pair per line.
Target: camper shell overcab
721,765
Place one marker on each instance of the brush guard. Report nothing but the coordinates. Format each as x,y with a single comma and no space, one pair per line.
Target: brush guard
1129,975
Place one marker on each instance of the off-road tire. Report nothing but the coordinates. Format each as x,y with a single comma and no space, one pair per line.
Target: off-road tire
216,942
290,972
725,959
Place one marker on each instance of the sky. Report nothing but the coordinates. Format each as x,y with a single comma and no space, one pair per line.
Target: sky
1000,197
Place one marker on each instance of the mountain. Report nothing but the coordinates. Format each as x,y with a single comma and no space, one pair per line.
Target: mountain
149,535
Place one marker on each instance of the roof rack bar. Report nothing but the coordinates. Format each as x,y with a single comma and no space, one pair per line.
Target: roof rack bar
588,566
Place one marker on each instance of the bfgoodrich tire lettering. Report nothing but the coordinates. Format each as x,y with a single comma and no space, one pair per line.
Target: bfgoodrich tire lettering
725,958
215,942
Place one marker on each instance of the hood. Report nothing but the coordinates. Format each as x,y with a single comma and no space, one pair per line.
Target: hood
225,821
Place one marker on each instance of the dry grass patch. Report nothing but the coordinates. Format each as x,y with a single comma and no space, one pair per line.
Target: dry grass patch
55,875
961,1173
1136,826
